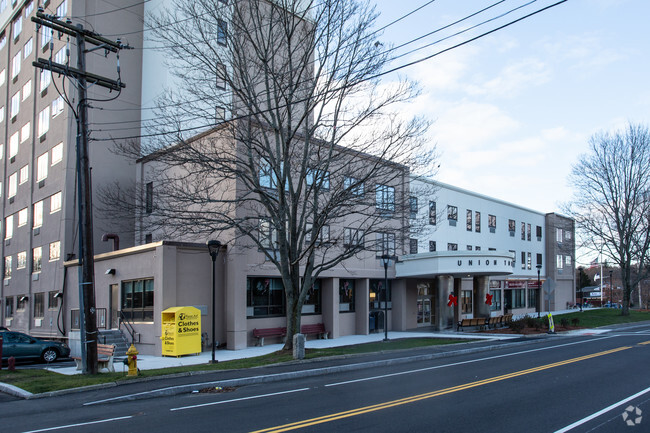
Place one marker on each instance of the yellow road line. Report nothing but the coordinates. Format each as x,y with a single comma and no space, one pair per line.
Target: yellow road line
414,398
644,343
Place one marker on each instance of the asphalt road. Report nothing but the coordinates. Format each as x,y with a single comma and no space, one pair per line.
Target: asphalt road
576,384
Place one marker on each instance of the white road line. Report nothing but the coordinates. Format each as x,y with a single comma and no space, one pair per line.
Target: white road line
600,412
463,362
79,425
238,399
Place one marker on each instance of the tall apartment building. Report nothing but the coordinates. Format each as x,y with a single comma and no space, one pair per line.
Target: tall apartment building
37,149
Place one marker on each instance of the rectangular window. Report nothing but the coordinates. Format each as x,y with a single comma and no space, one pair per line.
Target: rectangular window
27,89
39,305
55,202
567,235
386,243
353,237
61,57
57,153
529,261
528,232
413,246
41,167
38,214
496,300
25,132
380,297
9,227
57,106
221,76
519,298
22,217
539,259
319,178
62,9
346,295
264,297
15,65
24,174
432,246
9,307
2,113
469,221
3,76
29,9
452,213
21,303
413,207
559,261
523,231
3,38
148,200
511,226
44,121
353,185
267,236
567,261
323,236
523,260
268,179
28,48
469,248
492,222
432,213
13,185
477,222
538,232
558,235
7,266
46,36
15,105
137,300
17,27
46,79
532,298
313,300
55,250
52,300
37,257
452,247
21,263
385,196
466,301
222,32
14,141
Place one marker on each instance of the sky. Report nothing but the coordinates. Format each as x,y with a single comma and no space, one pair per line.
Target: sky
513,111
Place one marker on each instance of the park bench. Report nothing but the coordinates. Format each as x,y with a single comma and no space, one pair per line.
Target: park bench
260,334
478,322
314,329
105,354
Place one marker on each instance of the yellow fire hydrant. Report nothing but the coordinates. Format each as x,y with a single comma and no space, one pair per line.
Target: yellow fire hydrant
132,360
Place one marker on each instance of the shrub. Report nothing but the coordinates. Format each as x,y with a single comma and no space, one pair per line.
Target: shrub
564,322
575,321
518,325
531,322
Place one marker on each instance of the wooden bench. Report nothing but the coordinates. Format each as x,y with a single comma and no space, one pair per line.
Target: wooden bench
260,334
494,321
315,329
467,323
105,354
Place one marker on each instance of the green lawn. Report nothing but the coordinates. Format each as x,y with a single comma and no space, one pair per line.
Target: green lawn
39,381
603,317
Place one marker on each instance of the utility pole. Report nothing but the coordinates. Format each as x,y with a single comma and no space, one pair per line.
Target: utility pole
88,326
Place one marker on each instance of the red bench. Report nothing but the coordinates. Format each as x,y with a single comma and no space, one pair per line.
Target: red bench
314,329
260,334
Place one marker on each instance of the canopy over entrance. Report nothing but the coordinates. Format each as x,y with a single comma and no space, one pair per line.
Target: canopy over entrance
459,264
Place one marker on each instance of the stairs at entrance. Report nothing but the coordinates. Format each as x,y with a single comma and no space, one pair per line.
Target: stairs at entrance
114,336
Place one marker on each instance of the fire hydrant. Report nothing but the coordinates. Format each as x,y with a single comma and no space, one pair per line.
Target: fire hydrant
132,360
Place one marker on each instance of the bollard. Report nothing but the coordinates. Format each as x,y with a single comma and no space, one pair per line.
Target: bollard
299,346
11,364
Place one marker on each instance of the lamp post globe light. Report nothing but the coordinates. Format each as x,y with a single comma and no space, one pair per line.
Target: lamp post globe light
213,249
385,259
539,289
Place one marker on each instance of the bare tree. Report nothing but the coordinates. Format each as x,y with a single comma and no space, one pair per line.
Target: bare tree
611,203
306,157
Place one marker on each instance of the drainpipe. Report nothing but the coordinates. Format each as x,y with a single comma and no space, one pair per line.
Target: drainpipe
114,237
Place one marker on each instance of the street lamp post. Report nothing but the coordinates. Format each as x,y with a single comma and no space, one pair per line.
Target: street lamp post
539,288
385,259
581,270
610,289
213,249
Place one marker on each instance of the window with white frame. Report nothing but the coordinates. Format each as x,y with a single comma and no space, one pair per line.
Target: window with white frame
2,150
37,257
21,263
62,9
567,235
452,213
38,214
323,236
354,185
13,185
385,197
2,113
27,89
46,79
558,235
267,235
44,121
29,8
55,250
353,237
7,266
24,174
9,227
3,76
60,57
386,243
57,106
17,27
3,40
55,202
318,178
25,131
46,36
14,140
559,261
15,65
41,167
57,153
567,261
28,48
22,217
15,105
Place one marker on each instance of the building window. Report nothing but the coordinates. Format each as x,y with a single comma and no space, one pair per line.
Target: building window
44,121
55,250
477,222
38,214
528,232
25,132
137,300
312,304
379,296
27,49
46,36
13,185
353,185
22,217
567,235
523,231
9,227
148,200
221,76
319,178
52,300
466,301
413,207
385,196
222,32
558,235
539,259
432,246
346,295
452,247
21,263
492,222
3,76
21,303
14,141
268,179
24,174
519,298
18,27
538,232
529,261
532,298
567,261
523,260
57,106
15,66
323,235
353,237
469,247
15,105
264,297
27,89
62,9
559,261
7,266
41,167
452,213
46,79
39,305
496,300
432,213
469,221
55,202
511,226
386,243
37,258
9,307
57,153
61,57
29,9
267,235
413,246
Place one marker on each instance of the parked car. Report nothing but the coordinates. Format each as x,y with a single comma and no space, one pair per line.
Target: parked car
25,347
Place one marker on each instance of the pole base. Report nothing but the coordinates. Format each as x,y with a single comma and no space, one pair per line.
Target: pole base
213,361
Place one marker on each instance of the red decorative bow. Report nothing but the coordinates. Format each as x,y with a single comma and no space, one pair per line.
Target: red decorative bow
453,300
488,299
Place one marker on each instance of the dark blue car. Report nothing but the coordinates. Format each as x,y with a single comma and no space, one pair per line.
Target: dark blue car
24,347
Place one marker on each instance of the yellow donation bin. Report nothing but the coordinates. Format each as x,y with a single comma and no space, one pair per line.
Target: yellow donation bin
181,331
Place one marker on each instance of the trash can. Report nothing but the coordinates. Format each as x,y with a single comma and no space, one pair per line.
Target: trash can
371,322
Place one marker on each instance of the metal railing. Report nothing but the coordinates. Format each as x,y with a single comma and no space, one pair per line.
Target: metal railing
128,325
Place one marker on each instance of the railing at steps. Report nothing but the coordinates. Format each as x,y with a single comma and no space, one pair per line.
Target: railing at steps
128,325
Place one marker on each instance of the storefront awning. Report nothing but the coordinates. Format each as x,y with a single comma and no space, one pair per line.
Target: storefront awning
459,264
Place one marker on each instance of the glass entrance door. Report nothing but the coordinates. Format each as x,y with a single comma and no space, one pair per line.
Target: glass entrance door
424,311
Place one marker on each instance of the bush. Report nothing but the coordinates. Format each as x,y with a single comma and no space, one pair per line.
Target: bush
575,321
564,322
531,322
518,325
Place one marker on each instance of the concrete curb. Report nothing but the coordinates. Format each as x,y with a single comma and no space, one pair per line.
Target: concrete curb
14,390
